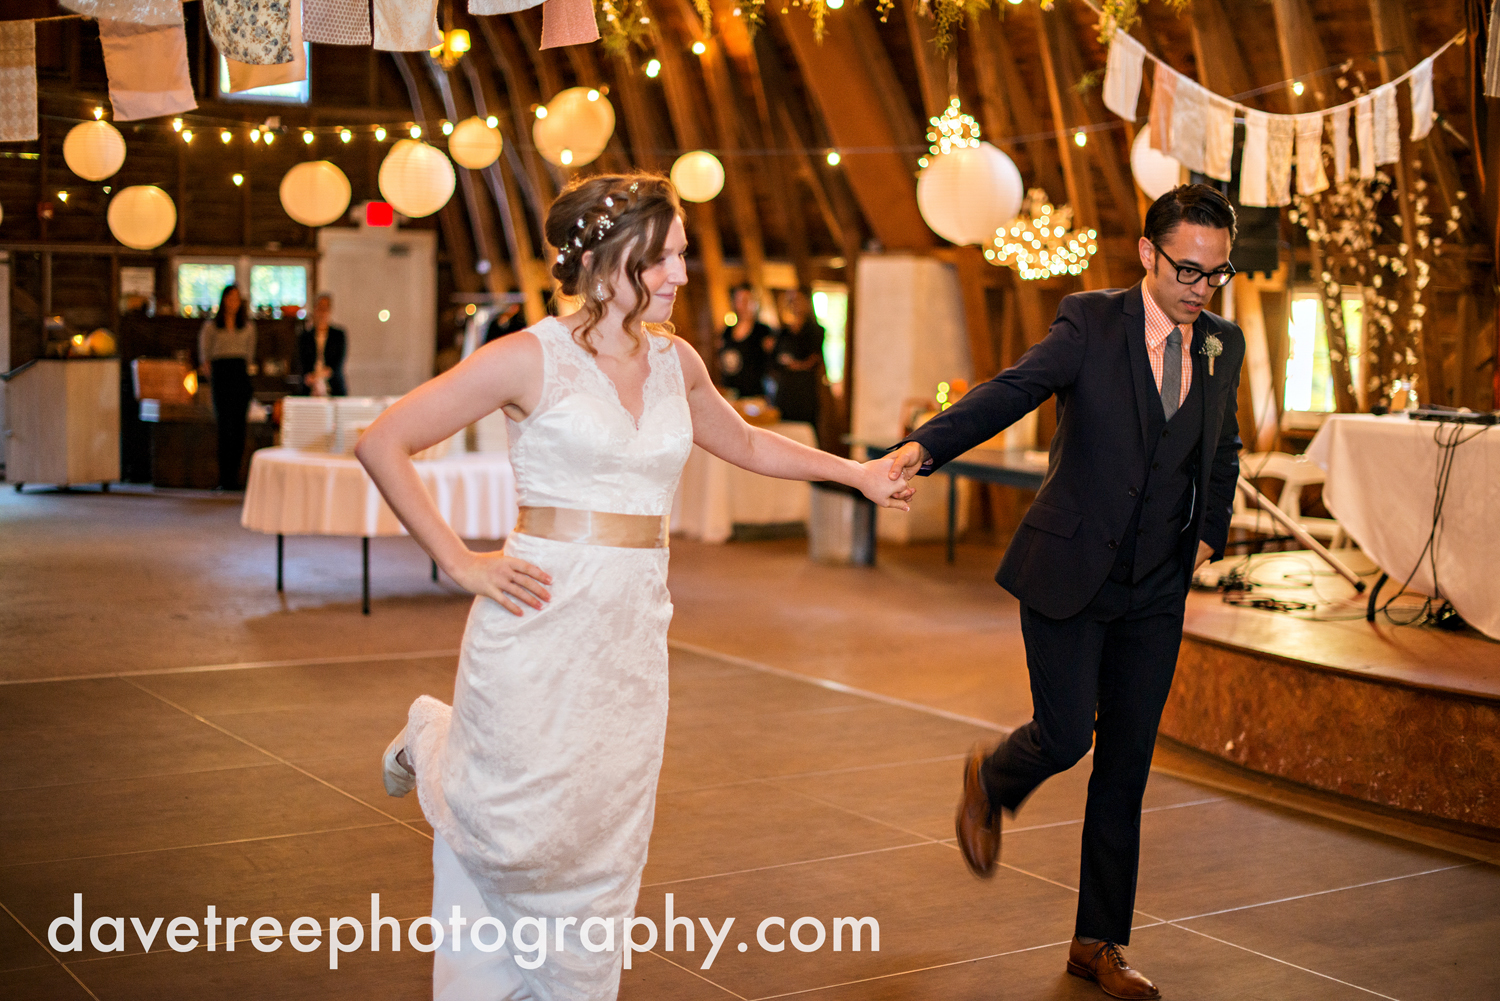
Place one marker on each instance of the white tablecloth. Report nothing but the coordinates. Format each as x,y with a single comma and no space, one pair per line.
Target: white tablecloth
315,493
1381,483
714,495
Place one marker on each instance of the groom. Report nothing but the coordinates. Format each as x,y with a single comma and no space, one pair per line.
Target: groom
1137,495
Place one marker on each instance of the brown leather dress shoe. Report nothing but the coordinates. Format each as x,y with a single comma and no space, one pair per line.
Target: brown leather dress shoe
978,823
1104,963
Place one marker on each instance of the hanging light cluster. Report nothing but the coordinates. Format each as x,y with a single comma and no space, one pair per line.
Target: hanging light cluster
951,130
451,49
1041,243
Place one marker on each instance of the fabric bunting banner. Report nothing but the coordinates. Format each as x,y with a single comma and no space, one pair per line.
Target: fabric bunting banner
1422,115
246,76
147,67
156,12
1163,90
568,22
1311,178
1364,135
254,32
406,25
1196,126
1189,124
1218,151
1122,76
1387,125
1340,120
336,22
18,120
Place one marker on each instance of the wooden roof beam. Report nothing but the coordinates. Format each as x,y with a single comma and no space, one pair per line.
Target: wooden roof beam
842,78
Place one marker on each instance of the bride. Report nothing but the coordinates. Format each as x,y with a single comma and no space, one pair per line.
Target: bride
540,780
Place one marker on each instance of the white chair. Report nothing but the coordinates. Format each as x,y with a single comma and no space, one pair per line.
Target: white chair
1295,472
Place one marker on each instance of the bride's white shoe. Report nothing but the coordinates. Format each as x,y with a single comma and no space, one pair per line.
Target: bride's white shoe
399,780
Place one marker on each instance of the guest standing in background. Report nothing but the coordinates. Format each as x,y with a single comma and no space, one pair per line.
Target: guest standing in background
509,320
321,348
799,360
226,354
745,348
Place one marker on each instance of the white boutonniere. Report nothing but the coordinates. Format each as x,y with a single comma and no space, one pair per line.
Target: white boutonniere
1212,348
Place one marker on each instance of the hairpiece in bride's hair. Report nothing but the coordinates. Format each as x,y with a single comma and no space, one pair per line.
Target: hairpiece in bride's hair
589,233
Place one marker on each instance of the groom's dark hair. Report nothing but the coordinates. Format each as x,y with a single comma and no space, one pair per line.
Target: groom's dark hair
1200,204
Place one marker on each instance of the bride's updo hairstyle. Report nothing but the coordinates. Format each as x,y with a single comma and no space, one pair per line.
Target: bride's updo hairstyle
619,219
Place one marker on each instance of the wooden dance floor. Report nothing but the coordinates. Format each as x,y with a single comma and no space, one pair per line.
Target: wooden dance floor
177,735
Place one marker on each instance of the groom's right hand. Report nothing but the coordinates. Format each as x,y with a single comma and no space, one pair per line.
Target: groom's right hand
907,460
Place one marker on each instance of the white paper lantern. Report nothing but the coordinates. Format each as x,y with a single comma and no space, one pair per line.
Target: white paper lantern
474,144
1155,172
967,194
142,216
698,176
315,193
94,150
416,178
576,127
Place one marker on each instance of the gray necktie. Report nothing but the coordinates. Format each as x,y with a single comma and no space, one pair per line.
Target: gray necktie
1171,373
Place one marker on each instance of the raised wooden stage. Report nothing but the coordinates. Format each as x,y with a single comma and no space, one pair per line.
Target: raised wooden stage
1402,717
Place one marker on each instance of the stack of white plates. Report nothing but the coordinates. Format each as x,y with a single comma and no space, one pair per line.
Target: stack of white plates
307,423
490,434
352,414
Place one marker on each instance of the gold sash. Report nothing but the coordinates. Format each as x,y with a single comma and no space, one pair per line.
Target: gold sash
595,528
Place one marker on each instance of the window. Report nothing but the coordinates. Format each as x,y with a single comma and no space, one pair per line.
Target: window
281,93
830,303
200,284
1309,372
278,288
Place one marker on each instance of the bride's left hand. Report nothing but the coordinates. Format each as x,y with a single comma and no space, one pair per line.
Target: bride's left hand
877,484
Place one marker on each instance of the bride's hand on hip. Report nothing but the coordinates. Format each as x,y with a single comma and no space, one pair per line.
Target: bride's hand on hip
504,579
877,484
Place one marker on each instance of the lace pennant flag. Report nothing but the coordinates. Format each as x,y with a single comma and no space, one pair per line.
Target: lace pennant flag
1311,178
568,22
1253,169
1364,135
147,66
501,6
336,22
1189,124
1122,76
1218,150
1163,89
1281,133
1422,116
244,76
1341,143
156,12
18,120
406,25
1387,125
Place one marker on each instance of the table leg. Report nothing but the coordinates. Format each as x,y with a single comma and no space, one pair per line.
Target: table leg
280,539
364,550
434,571
952,512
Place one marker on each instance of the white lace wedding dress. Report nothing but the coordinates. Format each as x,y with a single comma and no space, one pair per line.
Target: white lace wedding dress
540,780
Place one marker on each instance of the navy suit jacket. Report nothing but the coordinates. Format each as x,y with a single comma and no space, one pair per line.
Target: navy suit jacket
1094,361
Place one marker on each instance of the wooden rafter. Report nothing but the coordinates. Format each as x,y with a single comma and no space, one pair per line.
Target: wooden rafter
839,76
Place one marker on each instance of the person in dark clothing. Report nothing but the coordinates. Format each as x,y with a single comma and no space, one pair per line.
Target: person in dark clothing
799,359
226,354
508,321
745,348
321,349
1138,495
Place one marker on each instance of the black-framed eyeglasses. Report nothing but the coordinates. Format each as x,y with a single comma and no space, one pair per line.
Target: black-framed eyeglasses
1187,274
